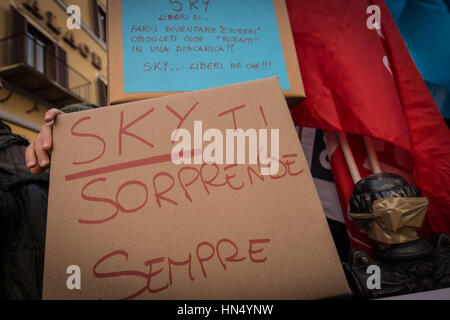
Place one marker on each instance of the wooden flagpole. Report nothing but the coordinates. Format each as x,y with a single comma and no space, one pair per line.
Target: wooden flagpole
372,155
351,163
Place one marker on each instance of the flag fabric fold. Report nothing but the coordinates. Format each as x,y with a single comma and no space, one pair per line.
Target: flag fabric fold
362,80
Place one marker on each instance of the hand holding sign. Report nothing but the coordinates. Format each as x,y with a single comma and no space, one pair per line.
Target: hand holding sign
37,154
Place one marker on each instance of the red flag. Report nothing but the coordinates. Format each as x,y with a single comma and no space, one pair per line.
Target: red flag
363,81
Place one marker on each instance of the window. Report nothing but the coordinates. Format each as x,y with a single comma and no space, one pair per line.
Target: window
102,92
45,56
102,24
30,46
99,22
37,47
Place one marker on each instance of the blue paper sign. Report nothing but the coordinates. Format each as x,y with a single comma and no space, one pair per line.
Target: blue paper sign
186,45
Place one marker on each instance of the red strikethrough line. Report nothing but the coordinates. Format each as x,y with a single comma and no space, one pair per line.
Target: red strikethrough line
125,165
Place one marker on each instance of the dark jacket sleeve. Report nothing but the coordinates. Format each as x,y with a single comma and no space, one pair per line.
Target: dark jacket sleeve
23,216
9,218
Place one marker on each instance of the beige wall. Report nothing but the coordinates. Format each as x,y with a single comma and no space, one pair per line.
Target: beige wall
18,105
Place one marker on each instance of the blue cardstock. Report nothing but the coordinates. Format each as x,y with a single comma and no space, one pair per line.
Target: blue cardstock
186,45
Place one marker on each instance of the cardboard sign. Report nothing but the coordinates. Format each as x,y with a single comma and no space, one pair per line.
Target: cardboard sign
139,226
161,47
168,46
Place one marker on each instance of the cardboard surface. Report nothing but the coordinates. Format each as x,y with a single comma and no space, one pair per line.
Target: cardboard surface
251,238
160,69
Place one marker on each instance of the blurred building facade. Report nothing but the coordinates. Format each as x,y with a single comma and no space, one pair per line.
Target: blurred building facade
47,62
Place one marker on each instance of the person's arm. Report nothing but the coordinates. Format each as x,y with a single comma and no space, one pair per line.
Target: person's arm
37,154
